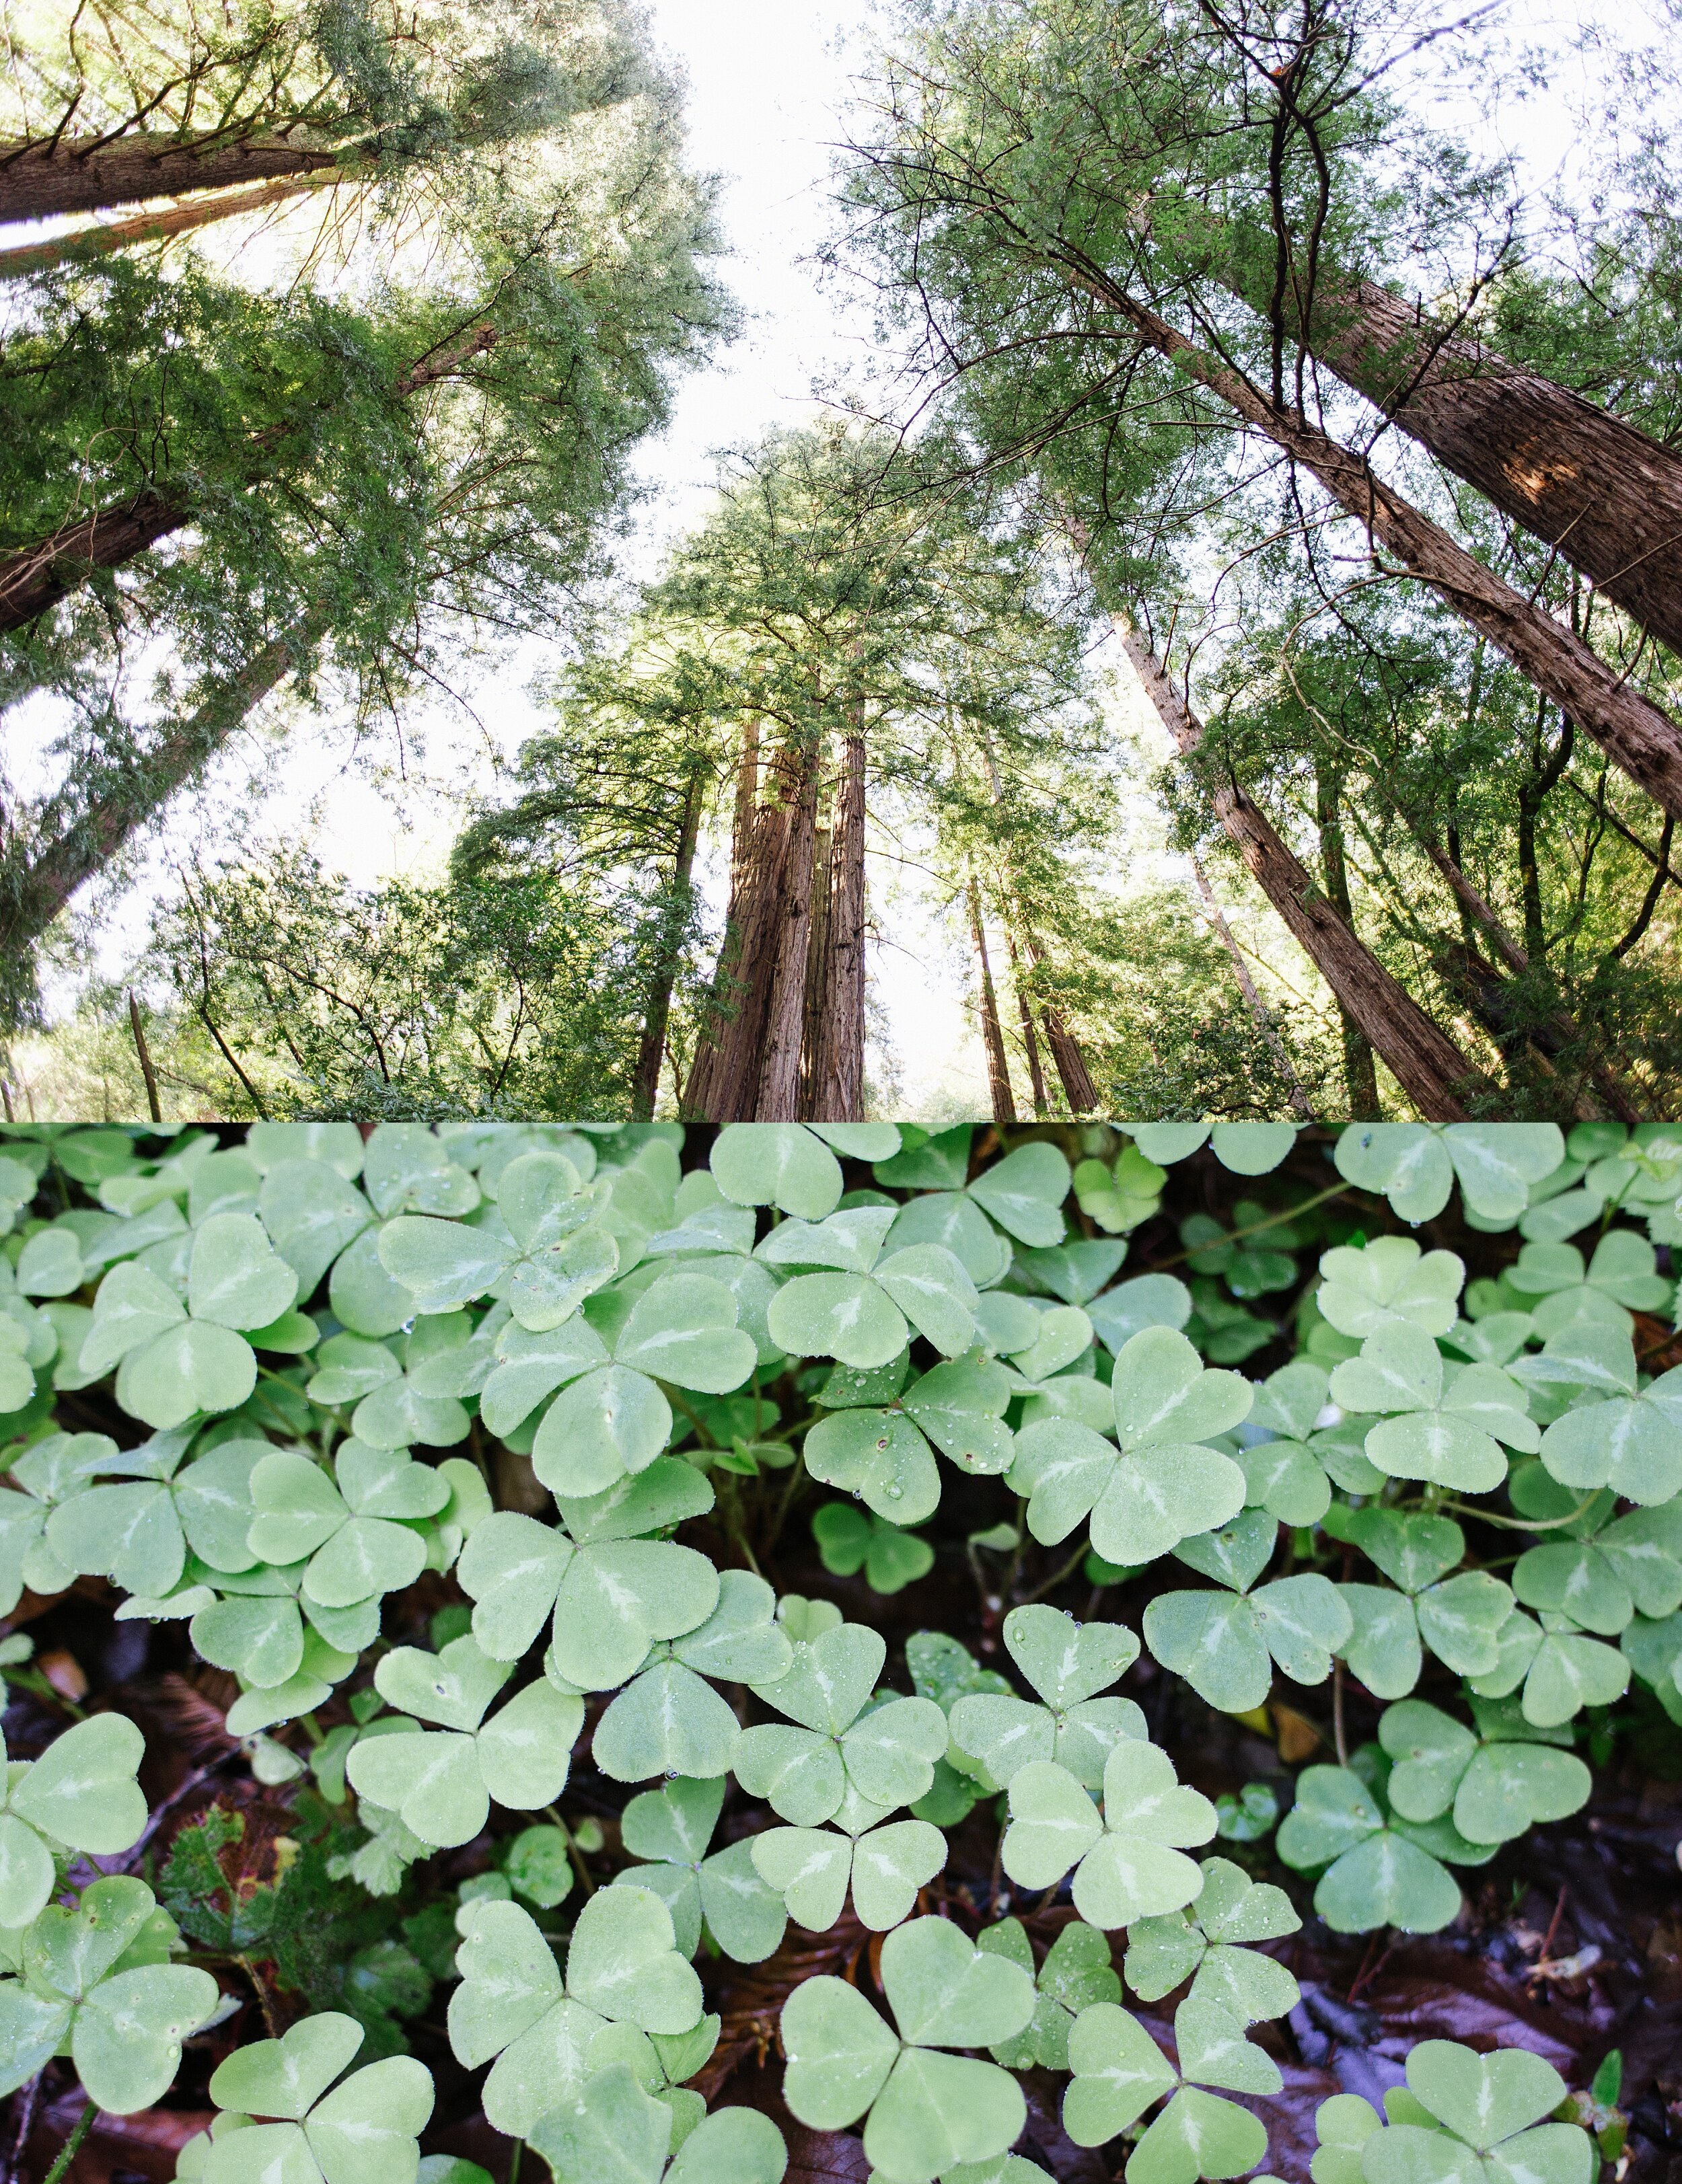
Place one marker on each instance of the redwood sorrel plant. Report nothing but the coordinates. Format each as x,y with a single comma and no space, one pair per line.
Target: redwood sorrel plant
524,1527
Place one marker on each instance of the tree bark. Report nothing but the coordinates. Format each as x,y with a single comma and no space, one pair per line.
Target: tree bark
838,1057
1031,1040
1429,1068
35,577
1633,731
83,841
645,1082
817,969
1253,1001
1607,495
1072,1073
777,1096
724,1076
85,244
992,1034
89,173
1361,1078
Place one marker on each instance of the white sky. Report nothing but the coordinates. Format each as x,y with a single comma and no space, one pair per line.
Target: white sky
767,81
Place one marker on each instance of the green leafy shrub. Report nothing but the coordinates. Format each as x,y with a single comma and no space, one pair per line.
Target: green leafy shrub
470,1461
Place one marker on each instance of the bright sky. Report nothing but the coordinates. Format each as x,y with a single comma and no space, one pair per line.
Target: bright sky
766,79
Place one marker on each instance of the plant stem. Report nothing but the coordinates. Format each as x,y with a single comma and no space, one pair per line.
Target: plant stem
1338,1733
1056,1579
1523,1523
72,2146
578,1867
1253,1228
26,2124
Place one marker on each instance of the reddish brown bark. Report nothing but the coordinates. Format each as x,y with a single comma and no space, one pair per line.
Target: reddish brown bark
85,243
1633,731
645,1081
1253,1001
35,577
1361,1079
1608,496
88,174
992,1034
1030,1039
777,1096
837,1077
1429,1068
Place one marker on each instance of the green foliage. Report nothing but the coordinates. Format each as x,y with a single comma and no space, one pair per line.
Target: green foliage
417,1663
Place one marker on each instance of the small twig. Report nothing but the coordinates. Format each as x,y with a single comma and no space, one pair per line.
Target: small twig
72,2146
264,2003
1547,1948
181,1792
1373,1962
1052,1582
26,2103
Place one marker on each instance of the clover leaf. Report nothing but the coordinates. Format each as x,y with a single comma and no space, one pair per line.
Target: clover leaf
1447,1421
612,1418
669,1721
1459,1618
1415,1164
1161,1484
1077,1972
608,1594
80,1793
356,1537
1621,1278
812,1869
925,2111
1120,2072
96,1987
1068,1665
1631,1443
1380,1869
1224,1645
1204,1944
671,1828
138,1534
945,1671
545,1251
1480,2119
885,1754
440,1782
1130,1863
1496,1782
178,1359
1389,1280
1560,1669
616,2129
312,1212
624,1980
363,2130
1120,1195
862,1310
848,1541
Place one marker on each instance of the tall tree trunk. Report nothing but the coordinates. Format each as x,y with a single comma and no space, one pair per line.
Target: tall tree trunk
1361,1078
711,1034
992,1034
1600,490
817,969
35,577
1429,1068
724,1075
85,244
89,173
1031,1040
1253,1001
646,1083
778,1097
78,841
1633,731
1545,769
1072,1073
838,1058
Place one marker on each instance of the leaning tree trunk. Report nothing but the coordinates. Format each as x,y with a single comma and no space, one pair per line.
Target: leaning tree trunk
79,843
992,1032
89,173
837,1076
778,1097
1072,1073
1633,731
37,576
1031,1037
1600,490
1361,1079
1429,1068
83,245
651,1052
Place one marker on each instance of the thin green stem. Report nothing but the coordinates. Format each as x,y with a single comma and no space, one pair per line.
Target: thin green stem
1052,1583
578,1867
1253,1228
1523,1523
72,2146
